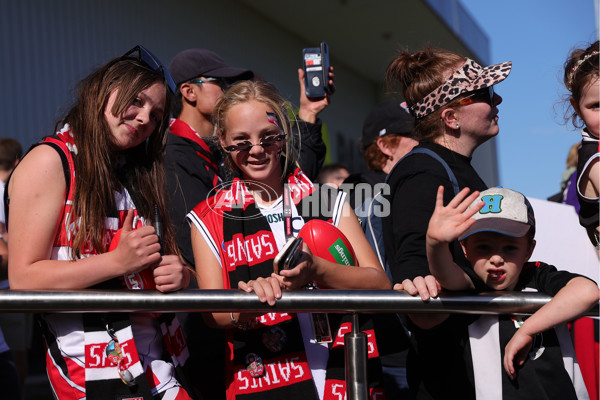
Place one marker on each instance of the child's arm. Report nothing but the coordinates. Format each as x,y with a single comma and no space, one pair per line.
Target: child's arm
578,295
446,225
38,183
426,287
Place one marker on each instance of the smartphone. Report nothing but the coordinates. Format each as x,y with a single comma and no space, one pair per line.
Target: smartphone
315,62
288,257
158,227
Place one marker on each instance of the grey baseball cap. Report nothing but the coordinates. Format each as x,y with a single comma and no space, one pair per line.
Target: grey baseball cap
505,211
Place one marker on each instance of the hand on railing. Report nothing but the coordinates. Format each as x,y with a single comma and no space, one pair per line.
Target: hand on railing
424,286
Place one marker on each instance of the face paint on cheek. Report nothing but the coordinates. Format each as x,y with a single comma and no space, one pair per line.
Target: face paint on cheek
272,117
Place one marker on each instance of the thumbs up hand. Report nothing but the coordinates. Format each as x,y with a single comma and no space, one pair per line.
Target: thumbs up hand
138,248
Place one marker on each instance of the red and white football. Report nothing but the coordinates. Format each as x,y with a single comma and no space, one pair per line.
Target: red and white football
326,241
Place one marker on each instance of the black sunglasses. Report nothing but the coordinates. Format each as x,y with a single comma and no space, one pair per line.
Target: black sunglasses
153,62
247,146
485,94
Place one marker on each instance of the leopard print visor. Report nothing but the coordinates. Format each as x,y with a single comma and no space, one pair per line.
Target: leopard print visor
470,77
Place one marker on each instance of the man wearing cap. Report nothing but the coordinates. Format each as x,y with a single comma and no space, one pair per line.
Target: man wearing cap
192,162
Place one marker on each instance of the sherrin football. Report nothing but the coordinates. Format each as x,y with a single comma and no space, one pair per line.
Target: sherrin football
326,241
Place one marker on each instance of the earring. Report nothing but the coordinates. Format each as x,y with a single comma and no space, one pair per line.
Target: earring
457,126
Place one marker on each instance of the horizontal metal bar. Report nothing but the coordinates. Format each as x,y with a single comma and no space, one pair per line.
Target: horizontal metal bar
335,301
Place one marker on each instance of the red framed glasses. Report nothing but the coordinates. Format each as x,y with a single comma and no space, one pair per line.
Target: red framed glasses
484,94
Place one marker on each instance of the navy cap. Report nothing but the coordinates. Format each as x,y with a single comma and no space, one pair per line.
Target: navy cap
386,118
192,63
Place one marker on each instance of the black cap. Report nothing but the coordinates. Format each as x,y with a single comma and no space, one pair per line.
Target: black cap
386,118
192,63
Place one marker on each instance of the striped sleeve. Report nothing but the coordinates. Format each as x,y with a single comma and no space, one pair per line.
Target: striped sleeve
338,208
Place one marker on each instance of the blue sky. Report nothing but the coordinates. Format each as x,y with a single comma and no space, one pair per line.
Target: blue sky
536,35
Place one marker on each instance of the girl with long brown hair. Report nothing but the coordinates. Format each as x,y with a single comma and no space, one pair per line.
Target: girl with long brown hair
82,207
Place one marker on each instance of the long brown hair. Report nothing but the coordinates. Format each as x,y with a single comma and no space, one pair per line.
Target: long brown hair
97,173
419,73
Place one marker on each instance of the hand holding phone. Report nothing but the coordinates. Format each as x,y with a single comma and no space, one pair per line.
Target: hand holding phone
289,255
315,62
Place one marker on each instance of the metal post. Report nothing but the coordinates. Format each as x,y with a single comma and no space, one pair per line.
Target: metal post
355,347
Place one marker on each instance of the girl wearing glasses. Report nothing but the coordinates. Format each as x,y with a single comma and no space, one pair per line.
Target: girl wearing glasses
456,111
236,235
82,204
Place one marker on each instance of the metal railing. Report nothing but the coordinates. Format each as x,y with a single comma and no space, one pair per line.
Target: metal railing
332,301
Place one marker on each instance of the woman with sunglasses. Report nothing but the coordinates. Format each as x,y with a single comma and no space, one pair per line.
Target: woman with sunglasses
236,235
82,207
455,107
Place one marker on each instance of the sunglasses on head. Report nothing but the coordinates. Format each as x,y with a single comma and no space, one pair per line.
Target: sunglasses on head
485,94
264,143
223,83
144,55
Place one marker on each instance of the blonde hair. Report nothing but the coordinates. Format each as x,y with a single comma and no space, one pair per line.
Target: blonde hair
267,94
573,155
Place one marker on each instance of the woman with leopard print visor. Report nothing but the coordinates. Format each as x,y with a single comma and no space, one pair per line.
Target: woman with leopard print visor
456,110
